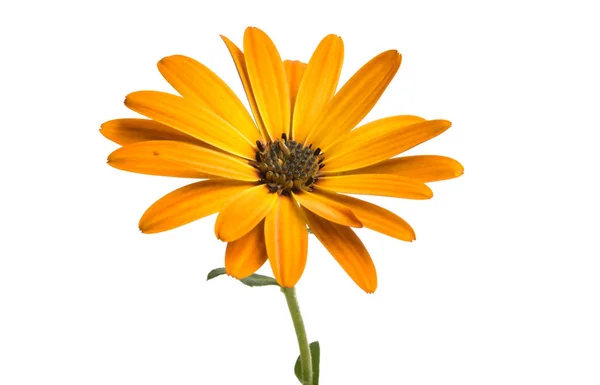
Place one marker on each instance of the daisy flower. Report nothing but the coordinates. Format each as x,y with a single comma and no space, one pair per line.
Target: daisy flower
285,165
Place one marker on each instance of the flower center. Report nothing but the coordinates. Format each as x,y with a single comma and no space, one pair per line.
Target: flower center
287,166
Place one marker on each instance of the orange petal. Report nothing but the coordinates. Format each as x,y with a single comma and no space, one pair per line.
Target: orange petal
142,156
195,81
366,133
269,84
188,117
240,63
322,205
286,238
155,166
189,203
243,212
319,84
375,217
424,168
364,146
128,131
294,71
347,249
375,184
354,100
247,254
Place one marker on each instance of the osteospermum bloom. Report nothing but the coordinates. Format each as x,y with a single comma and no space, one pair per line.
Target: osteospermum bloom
289,167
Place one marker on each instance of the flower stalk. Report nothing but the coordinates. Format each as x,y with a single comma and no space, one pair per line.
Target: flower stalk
305,358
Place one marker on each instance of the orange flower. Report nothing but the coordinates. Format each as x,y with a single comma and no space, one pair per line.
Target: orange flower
289,167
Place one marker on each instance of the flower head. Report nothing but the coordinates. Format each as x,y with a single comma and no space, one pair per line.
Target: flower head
289,166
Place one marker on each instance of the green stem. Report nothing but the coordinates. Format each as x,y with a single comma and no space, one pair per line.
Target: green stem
305,359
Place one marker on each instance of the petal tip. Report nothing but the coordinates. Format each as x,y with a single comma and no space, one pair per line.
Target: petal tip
251,30
148,229
231,274
224,236
217,228
392,54
358,224
102,131
446,123
427,193
369,287
285,286
111,157
128,99
146,226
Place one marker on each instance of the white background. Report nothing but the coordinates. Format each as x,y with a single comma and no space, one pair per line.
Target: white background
501,287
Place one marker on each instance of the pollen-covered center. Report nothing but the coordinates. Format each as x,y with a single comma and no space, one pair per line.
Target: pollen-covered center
287,166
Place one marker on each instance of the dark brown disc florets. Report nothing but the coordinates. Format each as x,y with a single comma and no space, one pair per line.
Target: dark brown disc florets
287,166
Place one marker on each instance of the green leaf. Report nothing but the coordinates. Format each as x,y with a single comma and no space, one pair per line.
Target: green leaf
253,280
259,280
315,355
214,273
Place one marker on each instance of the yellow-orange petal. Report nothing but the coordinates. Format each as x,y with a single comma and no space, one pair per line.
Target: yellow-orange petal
196,81
375,217
328,208
243,212
354,100
240,64
247,254
424,168
189,203
347,249
367,133
375,184
286,239
188,117
269,84
294,71
318,86
362,149
141,156
128,131
158,167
